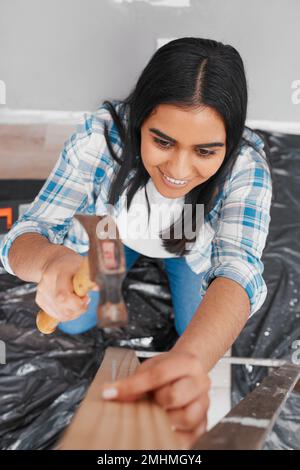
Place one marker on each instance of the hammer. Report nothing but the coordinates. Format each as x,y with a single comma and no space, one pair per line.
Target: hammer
105,268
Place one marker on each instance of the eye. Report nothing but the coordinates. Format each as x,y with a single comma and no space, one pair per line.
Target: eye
162,143
205,152
167,145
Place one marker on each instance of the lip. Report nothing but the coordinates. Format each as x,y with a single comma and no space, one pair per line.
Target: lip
163,172
172,185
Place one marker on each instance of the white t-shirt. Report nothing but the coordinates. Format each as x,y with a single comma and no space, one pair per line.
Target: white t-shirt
134,229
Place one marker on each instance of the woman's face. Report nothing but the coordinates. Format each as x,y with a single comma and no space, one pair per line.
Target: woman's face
181,149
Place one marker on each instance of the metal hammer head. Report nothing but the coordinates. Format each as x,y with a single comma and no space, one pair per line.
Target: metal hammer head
107,268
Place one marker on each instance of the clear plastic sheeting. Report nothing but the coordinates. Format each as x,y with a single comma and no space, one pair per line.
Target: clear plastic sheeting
274,331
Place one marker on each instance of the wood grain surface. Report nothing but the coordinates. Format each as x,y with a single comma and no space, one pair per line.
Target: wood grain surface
100,424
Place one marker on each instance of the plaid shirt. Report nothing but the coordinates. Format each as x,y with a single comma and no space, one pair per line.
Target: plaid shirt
235,229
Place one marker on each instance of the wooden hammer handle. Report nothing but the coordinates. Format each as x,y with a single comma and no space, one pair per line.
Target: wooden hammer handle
81,285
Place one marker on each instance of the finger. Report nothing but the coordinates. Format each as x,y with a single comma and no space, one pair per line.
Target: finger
81,308
202,428
178,394
65,288
58,311
70,314
151,361
187,439
190,417
148,363
71,302
45,303
158,375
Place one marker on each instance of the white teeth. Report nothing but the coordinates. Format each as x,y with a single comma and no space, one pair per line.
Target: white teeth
174,181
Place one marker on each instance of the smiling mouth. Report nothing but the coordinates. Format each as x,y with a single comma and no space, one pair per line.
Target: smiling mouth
173,181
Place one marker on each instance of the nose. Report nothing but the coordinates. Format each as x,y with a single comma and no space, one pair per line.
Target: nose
179,166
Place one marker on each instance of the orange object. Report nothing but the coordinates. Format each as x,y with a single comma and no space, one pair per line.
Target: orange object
8,213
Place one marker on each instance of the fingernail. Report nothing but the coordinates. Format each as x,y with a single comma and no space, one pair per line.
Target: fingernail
109,393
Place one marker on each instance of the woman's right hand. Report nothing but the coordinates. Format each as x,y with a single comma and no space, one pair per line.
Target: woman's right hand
55,294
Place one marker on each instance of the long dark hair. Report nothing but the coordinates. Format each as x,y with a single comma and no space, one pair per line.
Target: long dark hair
189,73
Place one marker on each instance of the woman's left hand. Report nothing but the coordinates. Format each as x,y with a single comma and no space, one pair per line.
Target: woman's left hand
176,381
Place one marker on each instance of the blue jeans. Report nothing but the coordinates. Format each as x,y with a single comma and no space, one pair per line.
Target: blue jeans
184,286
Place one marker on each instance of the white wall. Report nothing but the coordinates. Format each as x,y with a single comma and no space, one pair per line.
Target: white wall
72,54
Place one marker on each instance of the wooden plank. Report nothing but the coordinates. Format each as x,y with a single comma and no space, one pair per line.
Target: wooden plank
246,426
31,150
100,424
297,387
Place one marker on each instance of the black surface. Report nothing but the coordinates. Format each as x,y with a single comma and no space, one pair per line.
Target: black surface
45,377
275,330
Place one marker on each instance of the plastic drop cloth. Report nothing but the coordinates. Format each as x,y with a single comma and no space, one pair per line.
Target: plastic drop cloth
45,378
274,331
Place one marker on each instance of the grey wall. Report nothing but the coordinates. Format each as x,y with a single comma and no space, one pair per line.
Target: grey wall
71,54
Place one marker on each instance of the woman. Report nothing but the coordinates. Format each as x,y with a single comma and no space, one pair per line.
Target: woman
178,138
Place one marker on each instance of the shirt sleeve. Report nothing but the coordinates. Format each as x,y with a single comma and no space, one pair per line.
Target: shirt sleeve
68,189
242,230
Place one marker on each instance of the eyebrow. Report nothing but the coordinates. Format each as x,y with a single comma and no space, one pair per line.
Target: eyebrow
171,139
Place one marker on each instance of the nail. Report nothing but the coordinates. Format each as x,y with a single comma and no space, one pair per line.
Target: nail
109,393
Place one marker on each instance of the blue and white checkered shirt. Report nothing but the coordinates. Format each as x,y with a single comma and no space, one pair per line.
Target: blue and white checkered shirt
235,231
